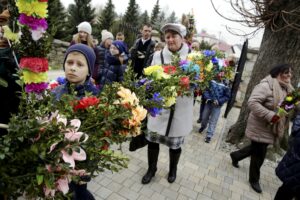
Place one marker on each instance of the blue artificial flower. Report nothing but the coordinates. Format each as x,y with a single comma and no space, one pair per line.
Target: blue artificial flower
61,80
184,65
215,60
154,111
195,68
209,53
157,97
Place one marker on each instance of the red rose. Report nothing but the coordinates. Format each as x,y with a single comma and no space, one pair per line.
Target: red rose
169,69
43,0
185,82
53,85
86,102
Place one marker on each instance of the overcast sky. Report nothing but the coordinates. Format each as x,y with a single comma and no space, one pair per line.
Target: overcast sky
205,17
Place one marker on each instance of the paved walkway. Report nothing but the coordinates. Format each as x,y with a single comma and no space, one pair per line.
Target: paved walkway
204,172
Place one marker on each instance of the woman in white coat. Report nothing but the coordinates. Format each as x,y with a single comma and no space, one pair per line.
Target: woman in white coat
173,124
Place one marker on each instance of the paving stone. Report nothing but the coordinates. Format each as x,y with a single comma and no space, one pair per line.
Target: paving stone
188,192
128,194
115,196
170,194
104,192
157,196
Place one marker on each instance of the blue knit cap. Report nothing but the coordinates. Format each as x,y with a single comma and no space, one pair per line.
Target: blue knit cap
87,51
122,47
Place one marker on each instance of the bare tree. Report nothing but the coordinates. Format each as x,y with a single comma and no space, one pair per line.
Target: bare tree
280,44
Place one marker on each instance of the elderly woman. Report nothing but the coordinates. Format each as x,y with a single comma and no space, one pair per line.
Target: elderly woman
264,126
173,124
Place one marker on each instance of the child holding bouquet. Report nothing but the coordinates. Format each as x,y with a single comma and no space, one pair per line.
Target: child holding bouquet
217,94
264,125
78,66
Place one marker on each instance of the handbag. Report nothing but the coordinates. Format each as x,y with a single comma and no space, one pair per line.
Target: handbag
138,142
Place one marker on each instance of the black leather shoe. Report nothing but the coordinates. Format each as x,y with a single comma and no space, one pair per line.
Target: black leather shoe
207,139
234,162
256,187
201,130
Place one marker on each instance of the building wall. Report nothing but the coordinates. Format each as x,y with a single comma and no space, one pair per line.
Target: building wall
57,53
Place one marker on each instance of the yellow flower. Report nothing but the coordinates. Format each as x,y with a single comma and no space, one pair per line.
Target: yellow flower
155,68
209,67
31,8
195,56
169,101
31,77
160,75
8,34
289,98
127,96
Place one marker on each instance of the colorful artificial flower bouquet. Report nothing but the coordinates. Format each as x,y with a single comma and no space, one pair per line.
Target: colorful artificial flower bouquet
287,105
162,84
51,143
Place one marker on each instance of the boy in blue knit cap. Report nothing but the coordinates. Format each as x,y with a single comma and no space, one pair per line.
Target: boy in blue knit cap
216,95
78,66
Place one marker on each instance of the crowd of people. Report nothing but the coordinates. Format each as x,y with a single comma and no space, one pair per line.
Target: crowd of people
90,67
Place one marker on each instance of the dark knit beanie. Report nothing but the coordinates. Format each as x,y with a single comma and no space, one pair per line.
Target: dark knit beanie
122,47
87,51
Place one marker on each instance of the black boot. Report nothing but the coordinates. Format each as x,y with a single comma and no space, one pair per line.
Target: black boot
174,158
238,155
152,165
256,187
81,192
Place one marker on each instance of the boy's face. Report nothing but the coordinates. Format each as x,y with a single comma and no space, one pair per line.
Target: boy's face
120,37
76,68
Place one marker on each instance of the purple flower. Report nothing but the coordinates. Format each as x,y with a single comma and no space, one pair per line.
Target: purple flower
32,22
142,82
36,87
183,62
61,80
288,107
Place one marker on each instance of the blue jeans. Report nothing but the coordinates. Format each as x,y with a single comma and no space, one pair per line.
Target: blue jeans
210,116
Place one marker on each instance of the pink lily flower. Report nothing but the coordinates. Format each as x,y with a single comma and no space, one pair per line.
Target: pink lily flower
63,185
73,135
49,192
75,156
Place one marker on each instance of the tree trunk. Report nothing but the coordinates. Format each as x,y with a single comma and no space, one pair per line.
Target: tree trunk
276,48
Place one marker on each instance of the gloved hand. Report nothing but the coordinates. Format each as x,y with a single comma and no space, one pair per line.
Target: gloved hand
216,103
208,100
275,119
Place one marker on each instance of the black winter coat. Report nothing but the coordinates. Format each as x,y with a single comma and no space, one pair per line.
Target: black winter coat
288,169
9,96
113,70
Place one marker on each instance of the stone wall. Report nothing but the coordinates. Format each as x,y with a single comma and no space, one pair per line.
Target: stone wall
57,53
251,59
